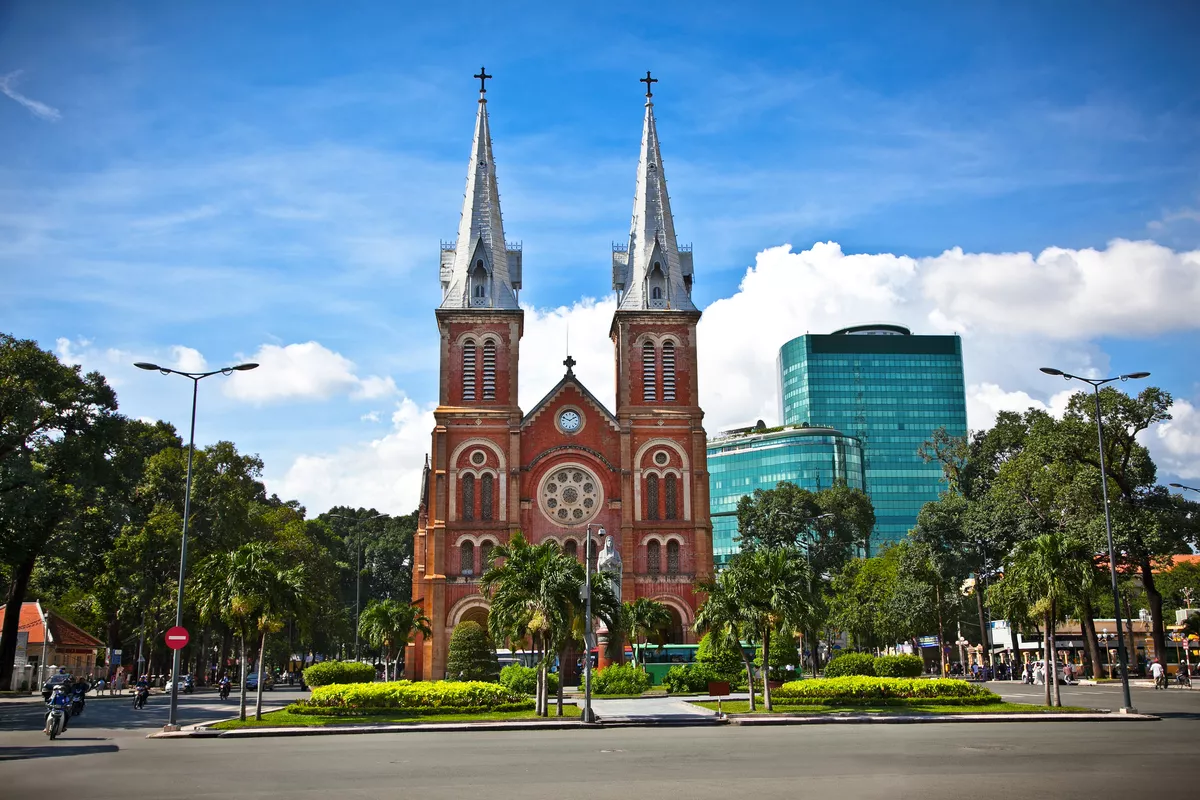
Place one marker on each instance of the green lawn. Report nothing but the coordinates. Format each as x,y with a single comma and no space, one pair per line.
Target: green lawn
282,719
743,707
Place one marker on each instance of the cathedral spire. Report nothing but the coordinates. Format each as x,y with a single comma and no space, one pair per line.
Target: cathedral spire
653,272
480,270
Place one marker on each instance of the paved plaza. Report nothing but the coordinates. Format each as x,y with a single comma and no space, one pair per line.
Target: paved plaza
105,755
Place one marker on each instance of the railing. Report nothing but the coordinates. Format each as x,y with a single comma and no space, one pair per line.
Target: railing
448,246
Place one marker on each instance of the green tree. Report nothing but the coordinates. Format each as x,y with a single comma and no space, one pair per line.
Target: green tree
726,621
644,618
471,656
391,624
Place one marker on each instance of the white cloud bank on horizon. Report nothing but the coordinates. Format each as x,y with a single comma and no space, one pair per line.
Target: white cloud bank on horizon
1015,312
307,371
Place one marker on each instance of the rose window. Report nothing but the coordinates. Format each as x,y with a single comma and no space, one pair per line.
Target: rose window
570,496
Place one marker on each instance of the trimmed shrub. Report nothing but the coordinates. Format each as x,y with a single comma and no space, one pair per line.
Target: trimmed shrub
723,659
331,711
523,680
850,664
784,654
430,697
328,672
864,689
471,656
902,666
620,679
689,678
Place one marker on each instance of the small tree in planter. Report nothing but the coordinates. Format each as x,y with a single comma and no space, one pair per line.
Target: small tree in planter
471,656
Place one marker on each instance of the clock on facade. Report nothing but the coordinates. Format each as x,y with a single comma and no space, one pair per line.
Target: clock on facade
569,420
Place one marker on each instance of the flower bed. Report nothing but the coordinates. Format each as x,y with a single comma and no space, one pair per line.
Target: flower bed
415,697
862,689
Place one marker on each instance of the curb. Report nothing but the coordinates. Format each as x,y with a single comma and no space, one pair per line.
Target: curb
336,730
938,718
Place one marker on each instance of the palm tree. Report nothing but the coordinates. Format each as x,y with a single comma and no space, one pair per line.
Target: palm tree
534,591
1049,571
389,624
643,618
723,617
283,595
773,587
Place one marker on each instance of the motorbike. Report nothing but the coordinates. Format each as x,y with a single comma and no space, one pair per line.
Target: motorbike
224,691
77,702
140,697
1183,679
56,721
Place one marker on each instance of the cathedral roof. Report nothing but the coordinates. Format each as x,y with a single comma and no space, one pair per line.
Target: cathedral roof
569,379
480,239
653,259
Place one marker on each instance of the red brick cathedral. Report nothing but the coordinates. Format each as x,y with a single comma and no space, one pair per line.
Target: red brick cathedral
638,471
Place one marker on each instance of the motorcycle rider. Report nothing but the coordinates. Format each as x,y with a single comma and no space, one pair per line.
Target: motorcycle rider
59,699
224,686
141,691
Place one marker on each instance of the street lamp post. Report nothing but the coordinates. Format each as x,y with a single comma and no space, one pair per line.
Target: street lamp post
195,377
1096,383
358,573
589,636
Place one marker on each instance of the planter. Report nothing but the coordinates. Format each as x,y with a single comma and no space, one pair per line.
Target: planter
774,684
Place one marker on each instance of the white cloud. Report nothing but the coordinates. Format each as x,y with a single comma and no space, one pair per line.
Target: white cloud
1176,444
383,473
306,371
986,400
187,359
370,416
37,108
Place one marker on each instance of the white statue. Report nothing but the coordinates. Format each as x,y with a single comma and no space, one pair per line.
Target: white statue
609,562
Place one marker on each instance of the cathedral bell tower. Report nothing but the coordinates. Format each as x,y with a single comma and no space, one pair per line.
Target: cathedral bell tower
476,433
654,338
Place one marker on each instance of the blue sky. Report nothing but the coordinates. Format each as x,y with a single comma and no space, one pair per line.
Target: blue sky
229,177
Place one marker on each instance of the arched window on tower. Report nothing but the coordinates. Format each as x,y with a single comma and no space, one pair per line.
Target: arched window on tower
466,558
468,370
653,558
672,495
658,286
649,373
479,280
485,552
486,493
668,371
468,497
489,370
672,557
651,497
571,549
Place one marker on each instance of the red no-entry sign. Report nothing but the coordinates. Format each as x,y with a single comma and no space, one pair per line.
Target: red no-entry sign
177,637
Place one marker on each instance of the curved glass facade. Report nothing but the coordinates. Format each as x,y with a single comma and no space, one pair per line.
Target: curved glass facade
891,392
811,458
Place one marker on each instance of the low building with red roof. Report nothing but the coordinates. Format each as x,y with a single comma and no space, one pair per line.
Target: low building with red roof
67,645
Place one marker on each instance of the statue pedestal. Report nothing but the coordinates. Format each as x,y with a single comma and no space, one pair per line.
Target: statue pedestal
602,659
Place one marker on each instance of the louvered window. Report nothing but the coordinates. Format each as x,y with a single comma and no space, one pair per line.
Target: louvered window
468,371
668,369
653,558
489,370
648,373
652,497
672,492
486,492
485,552
468,497
672,557
466,559
571,549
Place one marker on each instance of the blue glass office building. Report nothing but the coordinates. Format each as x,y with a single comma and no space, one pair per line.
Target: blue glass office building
741,461
890,390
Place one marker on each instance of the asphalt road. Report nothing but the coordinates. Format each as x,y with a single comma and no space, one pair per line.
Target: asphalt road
1008,760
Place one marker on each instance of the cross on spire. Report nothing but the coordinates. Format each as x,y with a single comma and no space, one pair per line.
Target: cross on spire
569,363
646,80
483,78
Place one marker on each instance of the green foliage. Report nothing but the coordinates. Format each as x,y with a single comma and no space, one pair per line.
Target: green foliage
865,689
850,664
523,680
785,657
721,657
409,695
471,656
695,678
620,679
390,624
338,672
643,619
900,666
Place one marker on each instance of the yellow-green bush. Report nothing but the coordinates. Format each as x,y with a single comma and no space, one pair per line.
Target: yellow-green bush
864,689
899,666
328,672
423,696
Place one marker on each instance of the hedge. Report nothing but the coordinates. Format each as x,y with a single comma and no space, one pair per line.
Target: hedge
689,678
620,679
310,710
850,664
328,672
523,680
410,696
901,666
864,689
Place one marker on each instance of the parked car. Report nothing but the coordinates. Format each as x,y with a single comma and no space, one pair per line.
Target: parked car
252,682
186,684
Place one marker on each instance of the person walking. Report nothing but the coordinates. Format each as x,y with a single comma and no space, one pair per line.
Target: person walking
1159,674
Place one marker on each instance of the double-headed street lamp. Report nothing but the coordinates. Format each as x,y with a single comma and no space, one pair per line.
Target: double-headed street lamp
1096,383
187,507
358,573
1187,488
